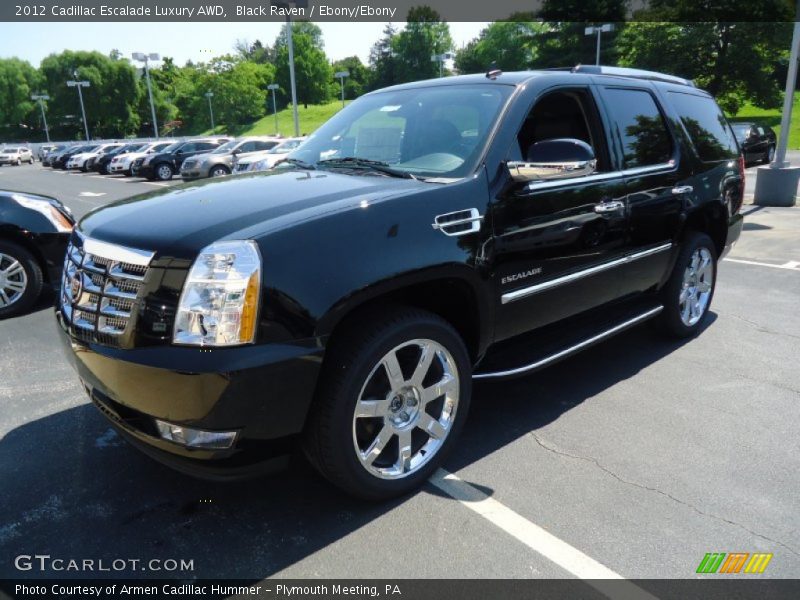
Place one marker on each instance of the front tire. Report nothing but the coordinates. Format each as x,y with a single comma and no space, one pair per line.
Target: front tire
163,172
688,293
219,171
392,399
21,279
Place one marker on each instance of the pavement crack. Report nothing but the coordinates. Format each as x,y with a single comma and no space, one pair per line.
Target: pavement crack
762,329
688,505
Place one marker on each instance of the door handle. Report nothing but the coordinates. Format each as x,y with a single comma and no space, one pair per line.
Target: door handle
610,206
682,189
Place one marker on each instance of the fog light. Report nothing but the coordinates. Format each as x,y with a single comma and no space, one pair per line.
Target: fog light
196,438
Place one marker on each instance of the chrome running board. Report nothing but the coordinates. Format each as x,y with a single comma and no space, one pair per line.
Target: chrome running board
548,360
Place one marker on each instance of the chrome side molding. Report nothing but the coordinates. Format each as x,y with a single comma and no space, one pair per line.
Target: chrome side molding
551,283
547,360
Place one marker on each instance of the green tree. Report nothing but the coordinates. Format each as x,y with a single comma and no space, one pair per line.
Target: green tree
313,72
508,45
18,80
384,64
356,84
111,101
425,34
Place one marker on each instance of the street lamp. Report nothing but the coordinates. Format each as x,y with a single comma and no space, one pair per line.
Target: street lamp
272,87
440,58
142,57
340,75
210,95
79,85
604,28
289,4
40,98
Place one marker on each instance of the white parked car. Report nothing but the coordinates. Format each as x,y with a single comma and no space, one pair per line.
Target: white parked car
262,161
122,164
79,161
16,155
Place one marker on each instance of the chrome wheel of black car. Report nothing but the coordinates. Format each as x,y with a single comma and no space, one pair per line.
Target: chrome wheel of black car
770,154
164,172
13,280
401,421
698,281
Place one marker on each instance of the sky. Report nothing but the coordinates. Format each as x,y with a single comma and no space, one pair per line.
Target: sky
187,41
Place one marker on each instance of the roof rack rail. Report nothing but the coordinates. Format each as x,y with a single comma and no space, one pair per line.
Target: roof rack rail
626,72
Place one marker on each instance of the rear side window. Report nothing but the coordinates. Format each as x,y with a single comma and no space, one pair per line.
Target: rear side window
640,126
707,127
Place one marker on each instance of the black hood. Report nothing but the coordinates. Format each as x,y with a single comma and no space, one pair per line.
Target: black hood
183,220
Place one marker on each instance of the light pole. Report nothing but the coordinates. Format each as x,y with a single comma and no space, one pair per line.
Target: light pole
40,98
288,4
210,95
142,57
440,58
79,85
340,75
272,87
604,28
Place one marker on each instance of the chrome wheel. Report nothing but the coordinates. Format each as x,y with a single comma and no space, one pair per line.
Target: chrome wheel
698,282
770,154
13,280
406,409
164,172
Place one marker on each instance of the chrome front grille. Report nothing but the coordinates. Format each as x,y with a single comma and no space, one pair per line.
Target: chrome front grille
100,289
242,166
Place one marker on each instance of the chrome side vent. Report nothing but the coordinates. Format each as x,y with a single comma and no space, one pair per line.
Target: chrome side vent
460,222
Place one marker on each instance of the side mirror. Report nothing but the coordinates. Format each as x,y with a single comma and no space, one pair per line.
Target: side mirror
561,158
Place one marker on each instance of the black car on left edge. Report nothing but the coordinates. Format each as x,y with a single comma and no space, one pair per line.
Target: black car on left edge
34,232
757,142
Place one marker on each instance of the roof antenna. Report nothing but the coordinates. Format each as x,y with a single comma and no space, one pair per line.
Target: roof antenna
493,72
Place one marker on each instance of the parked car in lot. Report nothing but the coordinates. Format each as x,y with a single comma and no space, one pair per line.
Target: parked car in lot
163,165
221,160
16,155
124,163
101,163
80,160
263,161
756,141
43,150
50,152
60,160
428,235
34,231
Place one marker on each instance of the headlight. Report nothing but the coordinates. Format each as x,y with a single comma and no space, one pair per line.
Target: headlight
59,221
260,165
219,302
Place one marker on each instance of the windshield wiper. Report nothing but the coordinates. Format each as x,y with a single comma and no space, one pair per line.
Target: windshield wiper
297,163
375,165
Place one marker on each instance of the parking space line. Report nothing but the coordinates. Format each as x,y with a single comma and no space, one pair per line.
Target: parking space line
536,538
157,184
792,265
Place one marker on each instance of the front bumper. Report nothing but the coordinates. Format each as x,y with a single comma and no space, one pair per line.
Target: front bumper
119,168
263,392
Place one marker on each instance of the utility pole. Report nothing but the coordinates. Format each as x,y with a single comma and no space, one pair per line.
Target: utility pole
79,85
40,98
600,29
210,95
142,57
272,87
340,76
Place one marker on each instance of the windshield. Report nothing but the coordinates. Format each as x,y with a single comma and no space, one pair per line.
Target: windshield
226,148
435,131
285,147
11,150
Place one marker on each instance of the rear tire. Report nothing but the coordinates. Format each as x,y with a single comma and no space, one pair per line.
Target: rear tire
376,435
21,279
688,293
219,171
163,172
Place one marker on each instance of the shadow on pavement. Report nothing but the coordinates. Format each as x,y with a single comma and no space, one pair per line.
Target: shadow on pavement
72,488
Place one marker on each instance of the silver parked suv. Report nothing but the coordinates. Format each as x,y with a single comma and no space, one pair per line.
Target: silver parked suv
221,161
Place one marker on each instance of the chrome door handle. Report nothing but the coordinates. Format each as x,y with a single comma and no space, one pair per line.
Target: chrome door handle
682,189
610,206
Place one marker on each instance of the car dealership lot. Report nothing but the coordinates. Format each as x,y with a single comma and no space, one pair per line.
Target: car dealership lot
640,454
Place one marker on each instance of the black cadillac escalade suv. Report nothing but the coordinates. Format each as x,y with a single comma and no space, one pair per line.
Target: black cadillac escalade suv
429,234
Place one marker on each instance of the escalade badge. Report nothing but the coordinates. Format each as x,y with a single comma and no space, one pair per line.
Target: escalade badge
521,275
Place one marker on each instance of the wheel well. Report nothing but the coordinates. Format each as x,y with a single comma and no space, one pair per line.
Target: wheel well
712,222
451,299
21,240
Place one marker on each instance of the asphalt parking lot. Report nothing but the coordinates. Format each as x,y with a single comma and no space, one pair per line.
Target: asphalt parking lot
639,455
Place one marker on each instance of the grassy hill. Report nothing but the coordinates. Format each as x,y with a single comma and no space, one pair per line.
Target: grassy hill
310,119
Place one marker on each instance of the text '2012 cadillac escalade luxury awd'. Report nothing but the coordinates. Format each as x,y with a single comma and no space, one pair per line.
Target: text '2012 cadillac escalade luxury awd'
429,234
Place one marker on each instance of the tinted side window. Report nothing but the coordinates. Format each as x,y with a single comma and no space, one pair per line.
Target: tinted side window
265,145
706,126
205,146
186,148
247,147
640,127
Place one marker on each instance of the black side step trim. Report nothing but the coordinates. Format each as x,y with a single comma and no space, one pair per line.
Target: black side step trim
550,359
